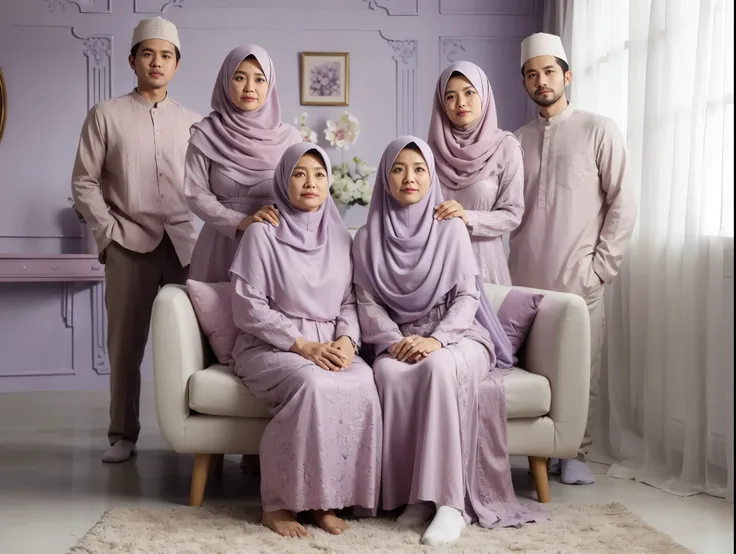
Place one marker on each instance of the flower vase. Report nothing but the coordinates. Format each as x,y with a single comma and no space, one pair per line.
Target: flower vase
342,208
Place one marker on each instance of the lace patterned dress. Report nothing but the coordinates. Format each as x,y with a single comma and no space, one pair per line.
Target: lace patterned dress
494,207
445,437
322,449
221,203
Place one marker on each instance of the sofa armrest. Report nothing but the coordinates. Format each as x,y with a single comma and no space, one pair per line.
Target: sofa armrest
178,351
558,348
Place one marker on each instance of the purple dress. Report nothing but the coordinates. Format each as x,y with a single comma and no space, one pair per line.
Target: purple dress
493,209
221,203
322,449
445,416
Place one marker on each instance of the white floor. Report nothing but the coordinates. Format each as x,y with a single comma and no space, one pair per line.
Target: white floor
53,487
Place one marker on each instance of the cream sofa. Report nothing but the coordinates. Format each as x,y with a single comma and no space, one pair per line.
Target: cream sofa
203,409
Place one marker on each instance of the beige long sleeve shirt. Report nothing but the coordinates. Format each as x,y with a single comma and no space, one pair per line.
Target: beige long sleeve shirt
580,210
128,175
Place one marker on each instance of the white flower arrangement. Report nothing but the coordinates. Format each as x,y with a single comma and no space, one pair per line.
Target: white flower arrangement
307,134
350,186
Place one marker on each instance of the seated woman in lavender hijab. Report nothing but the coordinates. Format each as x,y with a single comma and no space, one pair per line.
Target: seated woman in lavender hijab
296,350
441,355
479,166
233,152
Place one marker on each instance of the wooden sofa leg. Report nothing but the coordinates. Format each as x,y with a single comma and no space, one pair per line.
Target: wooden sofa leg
538,467
218,461
199,478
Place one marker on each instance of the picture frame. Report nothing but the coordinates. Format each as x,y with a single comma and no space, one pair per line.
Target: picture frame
324,78
3,104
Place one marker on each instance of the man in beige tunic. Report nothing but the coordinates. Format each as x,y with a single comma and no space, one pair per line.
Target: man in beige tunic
580,209
128,184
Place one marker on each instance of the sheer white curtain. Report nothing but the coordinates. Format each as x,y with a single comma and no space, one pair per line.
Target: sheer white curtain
663,69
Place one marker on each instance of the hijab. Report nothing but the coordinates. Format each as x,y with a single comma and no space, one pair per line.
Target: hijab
303,265
409,260
245,146
468,155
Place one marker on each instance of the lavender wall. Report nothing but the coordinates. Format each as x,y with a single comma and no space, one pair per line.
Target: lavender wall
59,57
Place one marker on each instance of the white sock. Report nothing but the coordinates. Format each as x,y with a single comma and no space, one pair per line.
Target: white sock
415,514
445,527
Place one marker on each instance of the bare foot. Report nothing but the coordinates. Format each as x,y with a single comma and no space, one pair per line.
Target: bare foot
328,521
285,524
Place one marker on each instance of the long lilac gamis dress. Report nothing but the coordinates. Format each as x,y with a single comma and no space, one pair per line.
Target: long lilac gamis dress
230,163
444,417
480,167
322,449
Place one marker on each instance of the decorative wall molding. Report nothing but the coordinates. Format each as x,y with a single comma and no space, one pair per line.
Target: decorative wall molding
67,316
156,6
489,7
100,362
60,373
98,51
405,56
452,49
391,7
67,305
395,7
84,6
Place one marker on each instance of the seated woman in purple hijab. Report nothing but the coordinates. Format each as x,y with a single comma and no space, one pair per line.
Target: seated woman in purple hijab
228,177
441,353
294,305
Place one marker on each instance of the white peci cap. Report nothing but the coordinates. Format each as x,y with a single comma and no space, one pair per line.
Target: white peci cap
158,27
542,44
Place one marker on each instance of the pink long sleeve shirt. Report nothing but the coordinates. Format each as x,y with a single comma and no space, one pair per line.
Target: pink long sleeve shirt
579,211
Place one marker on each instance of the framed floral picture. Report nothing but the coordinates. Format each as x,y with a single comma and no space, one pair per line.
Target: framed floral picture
325,78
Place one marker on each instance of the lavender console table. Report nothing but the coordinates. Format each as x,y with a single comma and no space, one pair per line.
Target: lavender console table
66,269
50,268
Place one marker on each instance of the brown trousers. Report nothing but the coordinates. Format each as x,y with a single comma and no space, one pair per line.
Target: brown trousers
132,281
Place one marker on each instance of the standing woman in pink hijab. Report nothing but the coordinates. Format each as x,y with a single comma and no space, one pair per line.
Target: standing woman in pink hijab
479,165
231,159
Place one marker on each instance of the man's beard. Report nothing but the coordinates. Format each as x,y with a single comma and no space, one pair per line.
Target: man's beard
541,101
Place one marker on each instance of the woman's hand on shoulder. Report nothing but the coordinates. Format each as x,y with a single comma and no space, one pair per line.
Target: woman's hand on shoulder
267,214
449,209
326,356
413,348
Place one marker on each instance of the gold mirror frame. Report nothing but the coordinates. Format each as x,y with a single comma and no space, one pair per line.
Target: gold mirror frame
3,104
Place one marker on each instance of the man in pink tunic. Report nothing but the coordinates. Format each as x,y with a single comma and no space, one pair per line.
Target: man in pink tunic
580,209
127,183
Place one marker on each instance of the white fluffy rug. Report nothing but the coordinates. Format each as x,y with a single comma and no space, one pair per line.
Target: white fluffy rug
591,529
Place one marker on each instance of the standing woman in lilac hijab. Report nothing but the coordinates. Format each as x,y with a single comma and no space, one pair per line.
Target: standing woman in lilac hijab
228,179
441,353
479,165
294,305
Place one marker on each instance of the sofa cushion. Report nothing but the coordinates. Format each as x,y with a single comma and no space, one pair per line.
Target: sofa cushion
217,391
517,313
212,303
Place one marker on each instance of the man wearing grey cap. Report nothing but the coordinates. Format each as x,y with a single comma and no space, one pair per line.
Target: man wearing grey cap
580,209
128,184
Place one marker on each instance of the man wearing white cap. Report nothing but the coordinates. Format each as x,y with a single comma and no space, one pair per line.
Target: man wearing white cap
580,209
128,184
